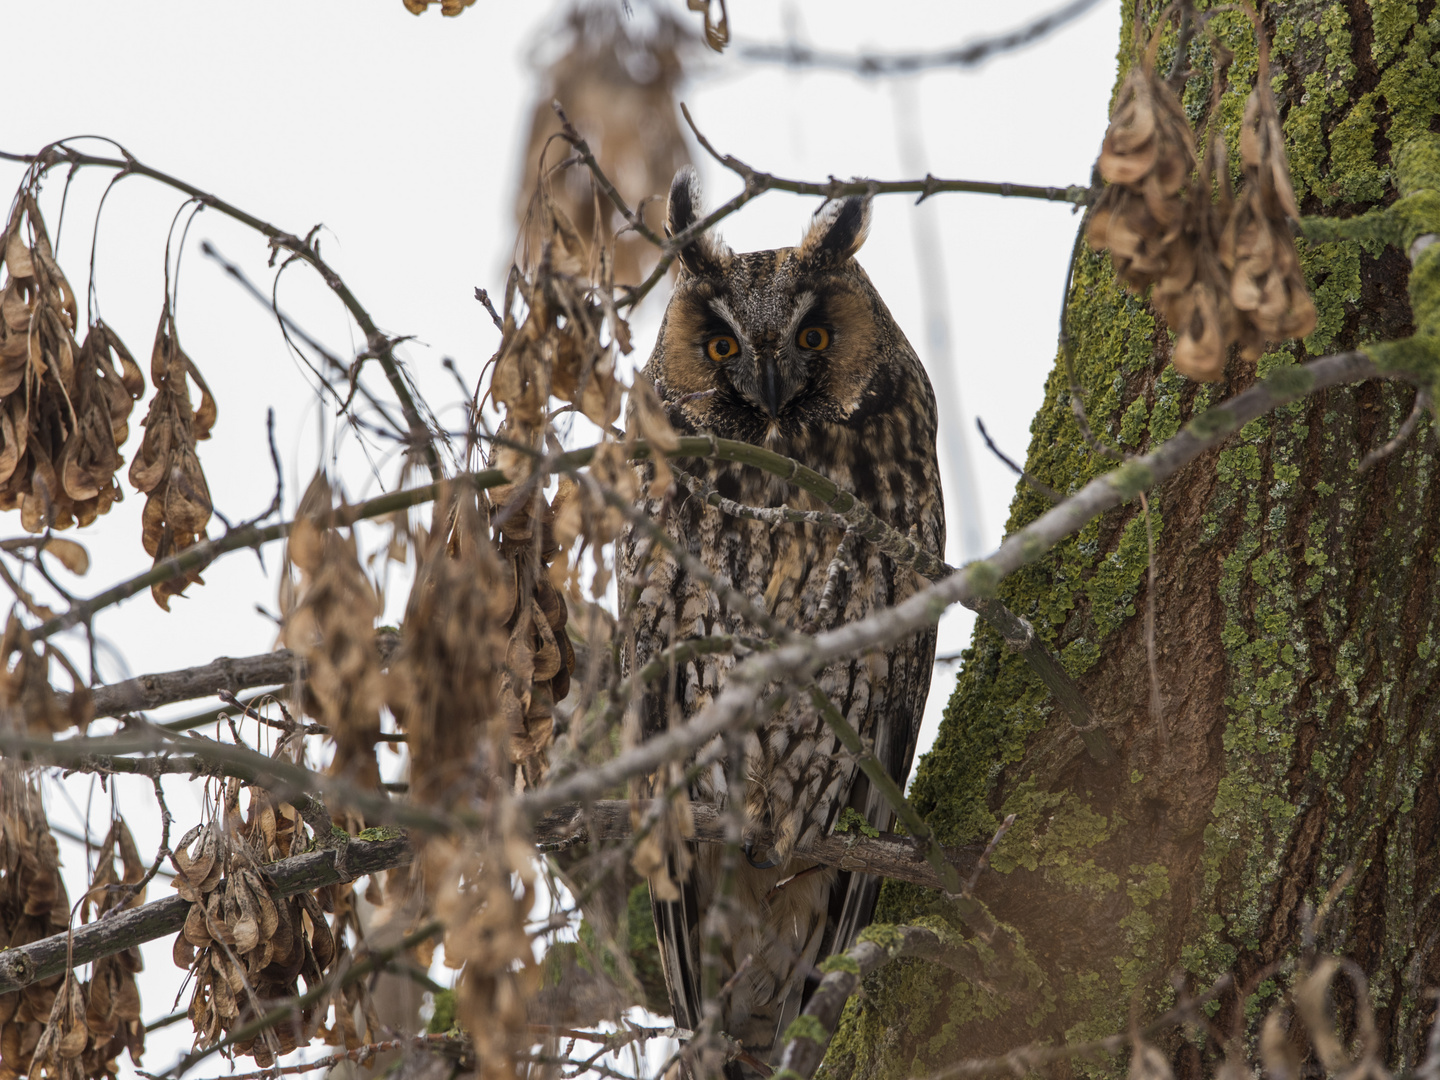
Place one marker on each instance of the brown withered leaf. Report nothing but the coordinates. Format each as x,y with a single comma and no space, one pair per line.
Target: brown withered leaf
329,619
647,420
717,31
167,468
447,7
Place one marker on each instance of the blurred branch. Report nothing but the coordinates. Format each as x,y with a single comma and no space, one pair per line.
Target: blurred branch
793,54
379,345
196,756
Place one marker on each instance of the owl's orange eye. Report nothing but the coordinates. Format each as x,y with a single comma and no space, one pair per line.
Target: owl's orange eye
814,338
722,348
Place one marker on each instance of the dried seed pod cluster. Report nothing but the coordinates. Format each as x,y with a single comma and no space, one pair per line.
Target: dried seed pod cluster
33,905
329,621
1225,271
167,468
617,84
242,947
64,407
91,1023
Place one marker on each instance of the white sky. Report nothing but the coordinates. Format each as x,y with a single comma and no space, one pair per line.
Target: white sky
402,135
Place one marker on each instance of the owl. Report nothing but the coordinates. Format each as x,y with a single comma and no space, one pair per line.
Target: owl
795,351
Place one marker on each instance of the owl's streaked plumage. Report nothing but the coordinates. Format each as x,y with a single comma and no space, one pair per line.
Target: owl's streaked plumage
793,350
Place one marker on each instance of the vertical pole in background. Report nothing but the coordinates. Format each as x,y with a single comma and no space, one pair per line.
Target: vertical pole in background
964,525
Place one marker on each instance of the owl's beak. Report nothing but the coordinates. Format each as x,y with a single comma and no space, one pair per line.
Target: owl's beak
769,385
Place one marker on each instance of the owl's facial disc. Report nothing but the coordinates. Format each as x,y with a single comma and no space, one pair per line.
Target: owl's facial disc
774,364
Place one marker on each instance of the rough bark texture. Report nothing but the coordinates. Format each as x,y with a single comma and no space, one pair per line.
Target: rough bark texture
1299,652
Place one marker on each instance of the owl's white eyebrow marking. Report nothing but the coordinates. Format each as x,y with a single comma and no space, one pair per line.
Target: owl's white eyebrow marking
721,308
804,303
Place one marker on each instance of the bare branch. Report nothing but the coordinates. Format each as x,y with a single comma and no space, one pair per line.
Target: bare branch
971,54
42,959
223,673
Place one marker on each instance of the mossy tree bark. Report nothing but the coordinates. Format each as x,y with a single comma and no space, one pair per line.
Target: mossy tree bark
1298,643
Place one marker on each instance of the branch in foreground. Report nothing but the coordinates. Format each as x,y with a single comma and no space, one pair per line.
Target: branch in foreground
887,855
793,54
733,709
809,1035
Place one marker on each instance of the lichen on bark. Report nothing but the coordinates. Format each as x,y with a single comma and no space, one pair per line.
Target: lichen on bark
1298,647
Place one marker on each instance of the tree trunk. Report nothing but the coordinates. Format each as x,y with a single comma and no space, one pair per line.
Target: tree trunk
1298,651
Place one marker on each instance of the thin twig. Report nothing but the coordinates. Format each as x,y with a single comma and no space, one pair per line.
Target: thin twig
1039,485
1374,457
1157,711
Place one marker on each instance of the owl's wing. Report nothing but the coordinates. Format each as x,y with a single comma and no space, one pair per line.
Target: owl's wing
677,932
897,729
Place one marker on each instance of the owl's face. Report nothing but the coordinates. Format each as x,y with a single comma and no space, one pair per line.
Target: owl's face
771,343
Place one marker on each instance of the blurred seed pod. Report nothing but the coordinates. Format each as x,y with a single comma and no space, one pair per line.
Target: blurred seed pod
64,408
26,694
329,620
1147,157
1225,270
446,685
167,468
447,7
1257,246
33,905
615,74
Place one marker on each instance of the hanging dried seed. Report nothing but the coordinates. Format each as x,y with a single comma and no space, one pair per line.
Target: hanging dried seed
329,620
63,407
167,468
1147,157
1257,246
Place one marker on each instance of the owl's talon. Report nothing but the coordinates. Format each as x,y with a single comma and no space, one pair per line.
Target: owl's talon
749,848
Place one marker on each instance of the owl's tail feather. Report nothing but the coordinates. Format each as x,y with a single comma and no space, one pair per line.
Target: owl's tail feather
782,919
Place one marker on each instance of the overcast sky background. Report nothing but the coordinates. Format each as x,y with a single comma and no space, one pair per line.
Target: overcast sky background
403,136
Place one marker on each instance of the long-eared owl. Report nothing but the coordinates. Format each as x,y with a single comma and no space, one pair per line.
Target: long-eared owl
792,350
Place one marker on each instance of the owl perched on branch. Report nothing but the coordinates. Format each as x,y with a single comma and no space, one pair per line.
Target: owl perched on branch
795,351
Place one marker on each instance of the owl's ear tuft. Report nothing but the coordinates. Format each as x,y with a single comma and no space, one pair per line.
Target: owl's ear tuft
704,255
837,231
